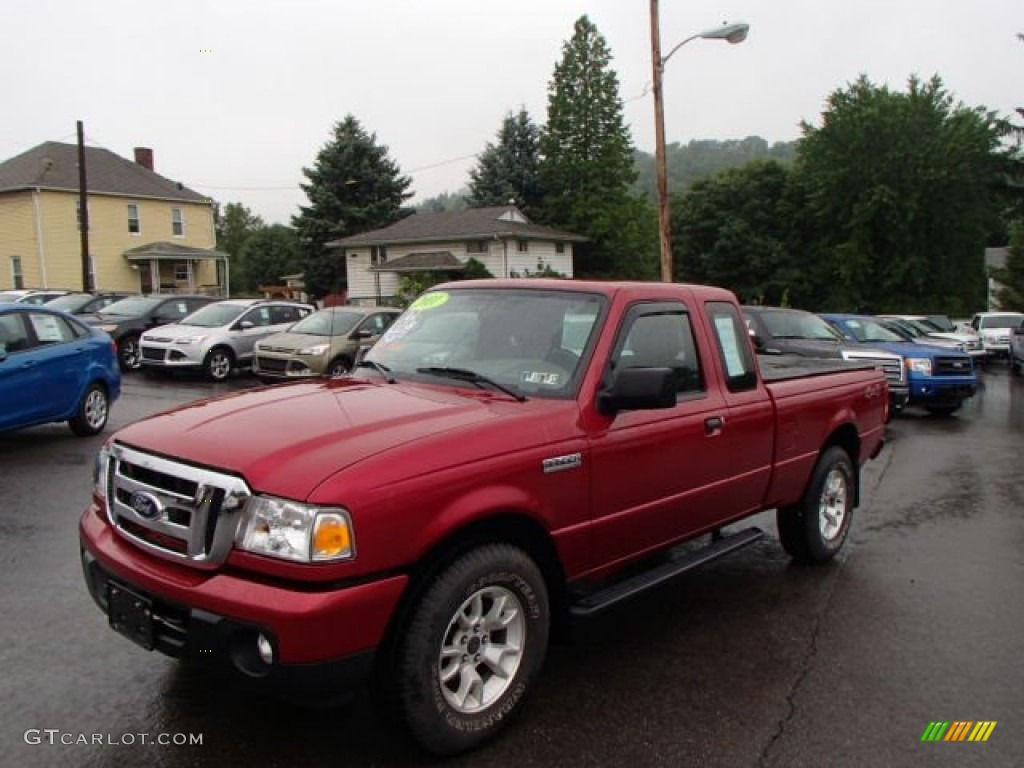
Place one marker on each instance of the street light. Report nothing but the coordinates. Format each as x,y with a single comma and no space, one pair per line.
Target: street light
731,33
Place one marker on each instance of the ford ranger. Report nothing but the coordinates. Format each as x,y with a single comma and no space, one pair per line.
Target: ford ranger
510,456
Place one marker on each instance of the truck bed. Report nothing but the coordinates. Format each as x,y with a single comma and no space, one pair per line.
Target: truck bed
785,367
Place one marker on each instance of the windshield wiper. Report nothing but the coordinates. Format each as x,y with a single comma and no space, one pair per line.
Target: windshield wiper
383,370
464,374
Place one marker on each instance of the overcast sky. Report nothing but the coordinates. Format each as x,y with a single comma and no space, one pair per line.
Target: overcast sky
236,96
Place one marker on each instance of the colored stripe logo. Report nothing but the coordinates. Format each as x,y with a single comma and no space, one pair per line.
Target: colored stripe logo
959,730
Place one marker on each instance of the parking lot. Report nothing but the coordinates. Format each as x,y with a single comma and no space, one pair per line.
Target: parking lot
749,662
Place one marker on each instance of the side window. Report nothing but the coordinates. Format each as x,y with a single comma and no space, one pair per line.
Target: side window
13,334
734,349
49,329
663,339
259,317
284,314
376,324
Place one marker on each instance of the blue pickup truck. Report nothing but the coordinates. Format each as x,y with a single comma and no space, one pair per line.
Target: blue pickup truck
940,378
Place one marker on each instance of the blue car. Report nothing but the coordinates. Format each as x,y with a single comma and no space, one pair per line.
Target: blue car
54,368
940,378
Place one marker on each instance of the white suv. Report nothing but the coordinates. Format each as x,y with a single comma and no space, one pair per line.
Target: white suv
219,336
995,329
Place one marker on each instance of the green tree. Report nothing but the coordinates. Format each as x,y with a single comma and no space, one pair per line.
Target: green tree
509,170
1011,277
268,254
233,227
900,192
734,229
446,201
354,186
587,164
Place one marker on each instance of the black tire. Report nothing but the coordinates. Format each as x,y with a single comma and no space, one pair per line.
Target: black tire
129,355
814,529
489,597
942,410
93,412
218,364
338,366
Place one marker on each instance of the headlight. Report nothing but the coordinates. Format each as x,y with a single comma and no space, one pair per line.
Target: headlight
291,530
99,472
920,365
317,349
190,340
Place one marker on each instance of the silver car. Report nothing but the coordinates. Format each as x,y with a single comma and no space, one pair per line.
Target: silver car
220,336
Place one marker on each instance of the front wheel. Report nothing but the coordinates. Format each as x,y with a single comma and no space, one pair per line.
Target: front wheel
814,529
339,366
128,354
471,649
91,417
218,364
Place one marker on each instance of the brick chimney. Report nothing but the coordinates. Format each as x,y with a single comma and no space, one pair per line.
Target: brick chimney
144,157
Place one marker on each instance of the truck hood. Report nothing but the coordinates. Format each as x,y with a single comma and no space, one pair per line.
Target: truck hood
286,440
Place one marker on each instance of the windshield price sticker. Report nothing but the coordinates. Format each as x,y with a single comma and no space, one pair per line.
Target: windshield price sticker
430,300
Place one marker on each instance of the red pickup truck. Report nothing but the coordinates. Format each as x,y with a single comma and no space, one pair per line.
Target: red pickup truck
510,455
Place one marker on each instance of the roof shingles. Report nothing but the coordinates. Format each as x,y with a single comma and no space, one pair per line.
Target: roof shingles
53,165
470,224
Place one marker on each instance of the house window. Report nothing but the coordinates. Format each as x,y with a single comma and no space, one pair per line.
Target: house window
16,274
78,215
522,246
476,246
134,225
559,247
181,272
177,222
378,255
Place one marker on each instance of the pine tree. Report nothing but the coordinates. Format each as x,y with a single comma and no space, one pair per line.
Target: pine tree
509,169
353,187
587,163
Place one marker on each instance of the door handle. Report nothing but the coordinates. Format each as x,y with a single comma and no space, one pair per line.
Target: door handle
713,425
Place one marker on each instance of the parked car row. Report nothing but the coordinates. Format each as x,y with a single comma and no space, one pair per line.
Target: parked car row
935,372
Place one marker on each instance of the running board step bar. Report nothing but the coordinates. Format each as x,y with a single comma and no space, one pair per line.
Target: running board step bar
623,590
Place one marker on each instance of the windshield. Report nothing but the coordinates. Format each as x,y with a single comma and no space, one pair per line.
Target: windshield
1002,321
794,324
328,322
132,306
866,329
71,302
214,315
528,341
10,296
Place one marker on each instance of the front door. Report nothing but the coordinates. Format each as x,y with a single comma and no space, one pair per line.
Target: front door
658,473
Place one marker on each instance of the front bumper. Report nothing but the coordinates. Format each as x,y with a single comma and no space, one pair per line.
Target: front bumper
170,355
323,637
291,368
939,391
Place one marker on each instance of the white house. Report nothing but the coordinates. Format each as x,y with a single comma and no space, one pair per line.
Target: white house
501,238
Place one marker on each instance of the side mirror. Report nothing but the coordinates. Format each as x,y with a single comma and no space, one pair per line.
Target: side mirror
362,334
639,389
246,325
759,344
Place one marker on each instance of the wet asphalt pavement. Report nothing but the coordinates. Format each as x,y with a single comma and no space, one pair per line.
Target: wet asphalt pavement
749,662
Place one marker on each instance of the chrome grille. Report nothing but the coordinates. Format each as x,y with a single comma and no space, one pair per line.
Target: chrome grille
892,365
176,511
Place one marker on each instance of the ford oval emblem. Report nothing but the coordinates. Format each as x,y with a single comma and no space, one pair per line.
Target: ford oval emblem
146,505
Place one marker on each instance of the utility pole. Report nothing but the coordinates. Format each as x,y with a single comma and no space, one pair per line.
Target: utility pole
84,208
664,222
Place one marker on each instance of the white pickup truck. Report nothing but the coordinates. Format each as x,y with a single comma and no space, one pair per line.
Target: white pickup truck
996,329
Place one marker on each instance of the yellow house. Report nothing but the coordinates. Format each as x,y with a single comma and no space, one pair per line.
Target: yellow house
146,233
